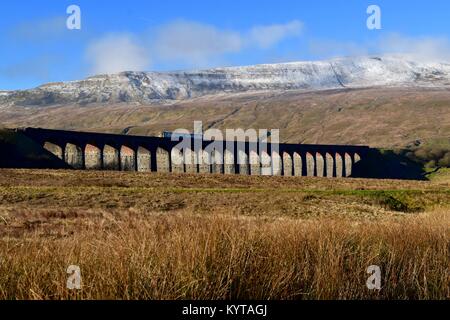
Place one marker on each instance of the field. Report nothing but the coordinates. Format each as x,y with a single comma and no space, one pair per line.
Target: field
159,236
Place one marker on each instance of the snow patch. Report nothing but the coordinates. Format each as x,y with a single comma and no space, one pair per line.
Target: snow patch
318,75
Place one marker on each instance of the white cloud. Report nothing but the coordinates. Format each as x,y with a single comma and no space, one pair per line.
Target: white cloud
425,49
197,44
116,53
194,43
40,30
268,36
182,43
421,48
35,68
323,49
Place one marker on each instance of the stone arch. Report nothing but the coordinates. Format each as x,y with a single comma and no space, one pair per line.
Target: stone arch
320,165
162,160
111,159
205,161
73,156
144,160
216,161
190,161
348,164
127,159
177,158
255,165
298,165
243,162
356,158
92,157
266,164
287,164
353,160
339,165
229,167
310,165
329,161
54,148
276,164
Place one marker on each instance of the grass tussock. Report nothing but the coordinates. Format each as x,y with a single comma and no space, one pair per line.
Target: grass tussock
155,236
221,257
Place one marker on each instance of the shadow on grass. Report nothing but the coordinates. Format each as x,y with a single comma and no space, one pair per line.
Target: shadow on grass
388,164
19,151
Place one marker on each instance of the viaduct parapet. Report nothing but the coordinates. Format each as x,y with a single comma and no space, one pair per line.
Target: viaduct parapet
100,151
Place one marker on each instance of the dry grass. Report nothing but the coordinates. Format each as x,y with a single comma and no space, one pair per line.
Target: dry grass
167,240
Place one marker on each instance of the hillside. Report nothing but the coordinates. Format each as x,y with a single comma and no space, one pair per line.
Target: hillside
379,117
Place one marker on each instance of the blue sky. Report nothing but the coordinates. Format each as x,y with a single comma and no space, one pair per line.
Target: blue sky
36,47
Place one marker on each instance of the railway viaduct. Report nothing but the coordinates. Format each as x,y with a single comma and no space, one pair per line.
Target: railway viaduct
100,151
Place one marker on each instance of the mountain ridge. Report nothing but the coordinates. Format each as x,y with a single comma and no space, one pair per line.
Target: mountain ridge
154,87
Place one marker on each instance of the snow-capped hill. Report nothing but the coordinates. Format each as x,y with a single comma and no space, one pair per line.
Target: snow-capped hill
143,87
